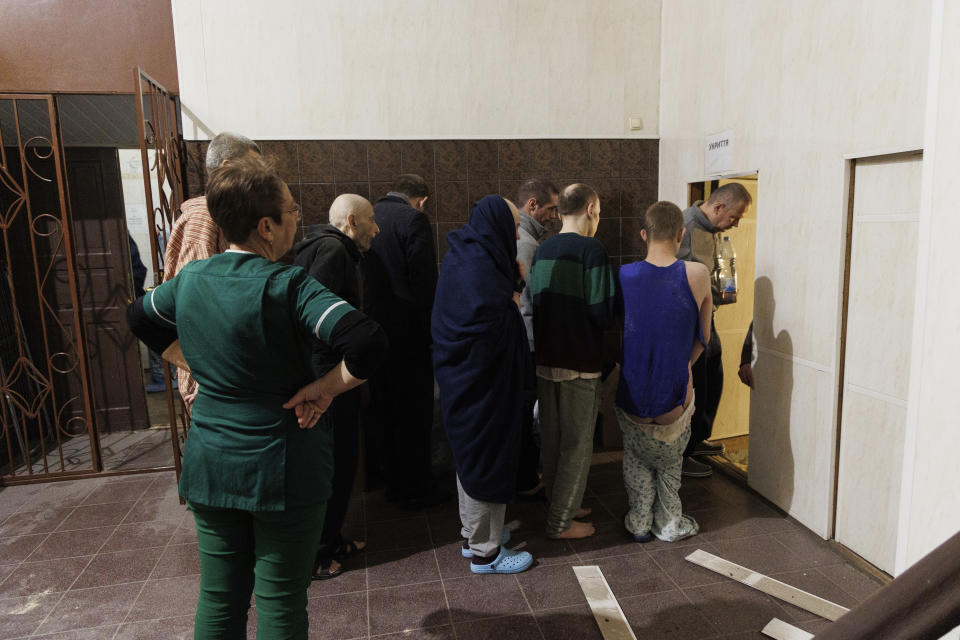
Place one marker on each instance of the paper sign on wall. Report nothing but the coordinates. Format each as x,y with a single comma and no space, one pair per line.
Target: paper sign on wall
718,153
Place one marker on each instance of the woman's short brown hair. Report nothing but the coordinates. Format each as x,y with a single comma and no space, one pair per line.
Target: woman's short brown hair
241,192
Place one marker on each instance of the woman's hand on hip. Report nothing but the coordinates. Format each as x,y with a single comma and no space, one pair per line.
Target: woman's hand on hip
309,403
307,414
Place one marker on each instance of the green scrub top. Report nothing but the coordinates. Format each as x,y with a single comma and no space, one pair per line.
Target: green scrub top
245,326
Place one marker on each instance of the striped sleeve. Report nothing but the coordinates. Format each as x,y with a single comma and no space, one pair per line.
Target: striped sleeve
195,236
318,308
600,288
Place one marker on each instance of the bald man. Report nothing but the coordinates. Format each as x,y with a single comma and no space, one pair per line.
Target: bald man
332,253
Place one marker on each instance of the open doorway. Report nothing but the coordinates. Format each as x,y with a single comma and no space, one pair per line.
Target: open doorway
731,426
138,226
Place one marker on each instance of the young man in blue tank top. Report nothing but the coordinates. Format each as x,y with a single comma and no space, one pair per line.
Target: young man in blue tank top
667,310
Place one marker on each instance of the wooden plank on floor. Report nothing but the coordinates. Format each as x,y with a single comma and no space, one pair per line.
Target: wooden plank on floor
769,586
780,630
606,610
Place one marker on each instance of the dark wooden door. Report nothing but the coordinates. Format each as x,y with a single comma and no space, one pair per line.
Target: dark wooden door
106,287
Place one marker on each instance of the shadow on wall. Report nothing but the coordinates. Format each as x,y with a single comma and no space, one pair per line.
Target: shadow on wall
770,403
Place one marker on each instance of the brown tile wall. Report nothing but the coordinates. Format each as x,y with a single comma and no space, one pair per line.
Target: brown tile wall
623,171
459,172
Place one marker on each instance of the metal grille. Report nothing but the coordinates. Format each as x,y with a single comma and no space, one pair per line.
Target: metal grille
46,405
161,147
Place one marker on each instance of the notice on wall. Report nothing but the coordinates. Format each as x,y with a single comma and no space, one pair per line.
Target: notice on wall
718,153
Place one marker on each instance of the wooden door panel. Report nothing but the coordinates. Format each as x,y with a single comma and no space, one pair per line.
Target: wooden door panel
105,287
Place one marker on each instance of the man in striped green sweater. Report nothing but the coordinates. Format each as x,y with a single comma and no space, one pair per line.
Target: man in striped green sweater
573,289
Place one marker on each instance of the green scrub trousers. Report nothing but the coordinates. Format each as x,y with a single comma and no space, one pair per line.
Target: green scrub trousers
268,553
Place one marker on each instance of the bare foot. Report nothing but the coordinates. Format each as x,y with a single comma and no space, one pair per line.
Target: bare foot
334,567
583,513
577,530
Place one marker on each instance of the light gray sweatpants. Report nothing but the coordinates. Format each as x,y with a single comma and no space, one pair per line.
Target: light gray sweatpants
481,523
652,459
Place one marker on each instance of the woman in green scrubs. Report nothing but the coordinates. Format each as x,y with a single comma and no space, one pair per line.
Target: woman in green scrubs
258,459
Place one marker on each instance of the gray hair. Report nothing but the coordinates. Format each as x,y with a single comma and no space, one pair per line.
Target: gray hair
228,146
731,195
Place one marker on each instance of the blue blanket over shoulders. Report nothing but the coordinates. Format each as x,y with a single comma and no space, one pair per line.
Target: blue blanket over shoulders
480,351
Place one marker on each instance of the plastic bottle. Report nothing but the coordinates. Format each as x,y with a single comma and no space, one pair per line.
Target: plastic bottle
726,271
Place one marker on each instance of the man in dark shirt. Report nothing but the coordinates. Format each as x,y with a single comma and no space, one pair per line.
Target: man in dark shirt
400,278
704,221
332,255
572,288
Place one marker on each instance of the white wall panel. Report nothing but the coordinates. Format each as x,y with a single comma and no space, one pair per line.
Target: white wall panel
880,309
871,453
419,68
930,509
801,84
790,414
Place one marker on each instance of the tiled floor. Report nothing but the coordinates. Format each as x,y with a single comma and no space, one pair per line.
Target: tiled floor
131,449
116,558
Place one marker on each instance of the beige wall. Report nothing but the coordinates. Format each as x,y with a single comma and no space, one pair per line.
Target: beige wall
291,69
801,84
930,500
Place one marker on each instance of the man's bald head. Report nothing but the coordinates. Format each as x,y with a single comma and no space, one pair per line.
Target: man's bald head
344,205
353,216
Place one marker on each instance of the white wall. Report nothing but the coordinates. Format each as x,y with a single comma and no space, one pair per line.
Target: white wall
135,204
369,69
930,499
801,84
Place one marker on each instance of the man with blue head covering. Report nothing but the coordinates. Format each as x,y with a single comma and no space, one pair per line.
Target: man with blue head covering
480,357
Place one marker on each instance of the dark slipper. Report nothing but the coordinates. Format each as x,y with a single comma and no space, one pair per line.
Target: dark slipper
347,549
324,573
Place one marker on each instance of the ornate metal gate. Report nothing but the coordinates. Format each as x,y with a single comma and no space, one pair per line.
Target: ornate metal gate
47,428
158,114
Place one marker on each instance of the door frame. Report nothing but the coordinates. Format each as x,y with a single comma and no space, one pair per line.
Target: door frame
849,180
695,192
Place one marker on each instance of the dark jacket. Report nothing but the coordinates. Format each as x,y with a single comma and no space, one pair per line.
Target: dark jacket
334,260
139,269
400,272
